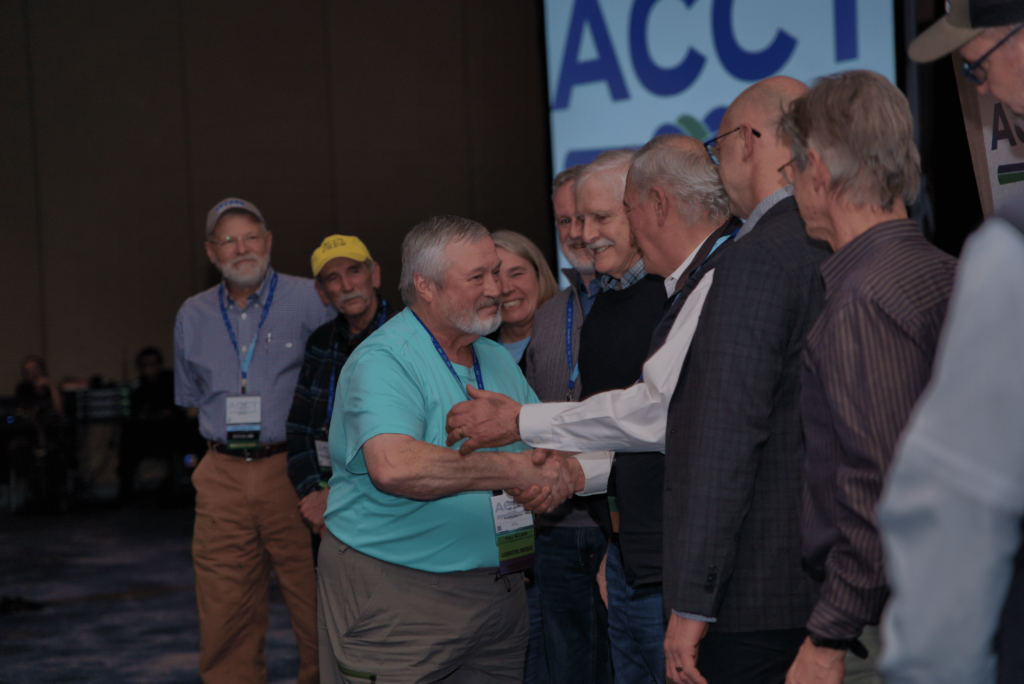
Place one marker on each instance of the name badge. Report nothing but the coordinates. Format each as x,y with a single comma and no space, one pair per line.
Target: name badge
514,534
243,418
323,453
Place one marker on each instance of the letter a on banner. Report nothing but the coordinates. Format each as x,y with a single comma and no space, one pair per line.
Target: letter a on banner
604,68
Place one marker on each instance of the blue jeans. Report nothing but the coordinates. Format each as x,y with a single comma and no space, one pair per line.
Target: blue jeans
536,656
636,625
575,619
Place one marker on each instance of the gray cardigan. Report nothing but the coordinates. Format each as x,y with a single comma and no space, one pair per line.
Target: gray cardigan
547,372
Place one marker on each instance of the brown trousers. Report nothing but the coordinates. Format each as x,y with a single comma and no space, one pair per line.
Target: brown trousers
247,522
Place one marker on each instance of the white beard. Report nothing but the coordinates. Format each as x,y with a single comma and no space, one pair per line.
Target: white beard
468,321
582,267
249,277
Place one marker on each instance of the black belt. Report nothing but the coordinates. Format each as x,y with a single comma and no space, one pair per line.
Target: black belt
262,451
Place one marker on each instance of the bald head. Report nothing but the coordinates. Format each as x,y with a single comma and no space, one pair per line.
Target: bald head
750,150
762,104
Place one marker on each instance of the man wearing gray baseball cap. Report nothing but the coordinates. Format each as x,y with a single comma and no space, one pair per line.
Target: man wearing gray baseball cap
951,512
238,348
988,35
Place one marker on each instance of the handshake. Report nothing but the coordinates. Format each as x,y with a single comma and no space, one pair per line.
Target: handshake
548,478
489,420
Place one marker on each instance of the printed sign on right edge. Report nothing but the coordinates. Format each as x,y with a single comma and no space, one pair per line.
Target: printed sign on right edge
996,139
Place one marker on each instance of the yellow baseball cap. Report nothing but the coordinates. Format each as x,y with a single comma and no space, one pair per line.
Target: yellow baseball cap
335,246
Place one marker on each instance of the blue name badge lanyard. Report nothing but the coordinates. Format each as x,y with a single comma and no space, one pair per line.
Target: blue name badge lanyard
574,372
513,524
243,414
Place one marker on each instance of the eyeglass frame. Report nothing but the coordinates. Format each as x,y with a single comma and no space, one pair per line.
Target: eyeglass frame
709,143
789,181
968,69
249,240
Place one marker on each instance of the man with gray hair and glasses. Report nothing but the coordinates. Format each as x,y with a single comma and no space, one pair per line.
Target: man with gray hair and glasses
237,352
854,171
951,512
420,571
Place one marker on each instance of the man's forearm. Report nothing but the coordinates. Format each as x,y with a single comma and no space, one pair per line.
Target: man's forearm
407,467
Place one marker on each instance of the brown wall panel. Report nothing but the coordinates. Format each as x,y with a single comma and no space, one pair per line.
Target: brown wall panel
112,179
257,107
509,125
20,305
331,116
400,122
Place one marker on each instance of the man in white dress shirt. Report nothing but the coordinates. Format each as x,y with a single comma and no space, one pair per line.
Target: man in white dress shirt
671,221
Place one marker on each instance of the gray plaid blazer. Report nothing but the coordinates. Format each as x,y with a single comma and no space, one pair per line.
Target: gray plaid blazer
734,446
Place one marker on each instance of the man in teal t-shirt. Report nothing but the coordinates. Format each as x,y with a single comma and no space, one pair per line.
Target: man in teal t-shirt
420,569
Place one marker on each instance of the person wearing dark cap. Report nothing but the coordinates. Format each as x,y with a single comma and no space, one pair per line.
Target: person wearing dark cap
238,347
950,516
346,278
988,35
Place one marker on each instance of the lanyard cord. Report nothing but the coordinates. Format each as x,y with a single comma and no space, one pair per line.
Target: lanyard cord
231,333
440,351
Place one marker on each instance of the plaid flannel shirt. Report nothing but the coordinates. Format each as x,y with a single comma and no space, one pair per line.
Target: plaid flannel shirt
326,352
631,277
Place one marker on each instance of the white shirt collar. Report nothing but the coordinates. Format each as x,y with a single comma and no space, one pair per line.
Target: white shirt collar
670,282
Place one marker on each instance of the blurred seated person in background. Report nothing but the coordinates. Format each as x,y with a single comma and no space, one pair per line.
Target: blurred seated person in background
526,283
155,426
35,394
40,451
347,278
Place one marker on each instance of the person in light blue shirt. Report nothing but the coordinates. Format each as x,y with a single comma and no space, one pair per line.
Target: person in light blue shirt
411,586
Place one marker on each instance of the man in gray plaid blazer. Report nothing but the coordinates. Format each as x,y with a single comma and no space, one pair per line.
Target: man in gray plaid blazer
734,446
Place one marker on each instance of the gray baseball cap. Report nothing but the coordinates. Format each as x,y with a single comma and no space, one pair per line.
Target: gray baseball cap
965,20
230,203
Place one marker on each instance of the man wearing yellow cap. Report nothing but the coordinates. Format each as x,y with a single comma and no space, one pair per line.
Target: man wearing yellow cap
346,278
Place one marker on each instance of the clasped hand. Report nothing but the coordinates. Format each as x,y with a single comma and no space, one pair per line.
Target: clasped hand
551,477
488,421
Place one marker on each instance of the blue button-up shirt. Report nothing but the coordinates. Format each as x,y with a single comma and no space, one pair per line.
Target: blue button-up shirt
588,293
207,370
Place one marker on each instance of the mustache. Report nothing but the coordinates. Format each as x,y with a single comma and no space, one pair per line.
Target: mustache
354,294
488,301
242,257
575,243
599,243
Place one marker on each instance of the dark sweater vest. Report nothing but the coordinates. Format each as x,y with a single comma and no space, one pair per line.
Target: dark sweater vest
614,344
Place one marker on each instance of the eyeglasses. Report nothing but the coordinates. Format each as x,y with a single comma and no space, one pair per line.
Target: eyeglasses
231,243
711,143
787,174
974,70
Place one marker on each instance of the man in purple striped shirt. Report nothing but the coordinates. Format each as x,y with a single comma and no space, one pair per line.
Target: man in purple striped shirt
238,348
869,356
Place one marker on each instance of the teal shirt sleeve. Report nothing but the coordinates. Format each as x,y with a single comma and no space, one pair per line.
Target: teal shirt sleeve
379,397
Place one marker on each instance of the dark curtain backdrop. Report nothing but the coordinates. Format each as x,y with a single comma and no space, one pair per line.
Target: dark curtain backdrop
123,122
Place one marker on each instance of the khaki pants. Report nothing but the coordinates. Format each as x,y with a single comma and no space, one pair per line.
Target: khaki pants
247,522
391,624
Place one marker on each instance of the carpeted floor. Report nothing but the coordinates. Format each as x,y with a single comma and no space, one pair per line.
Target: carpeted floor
107,597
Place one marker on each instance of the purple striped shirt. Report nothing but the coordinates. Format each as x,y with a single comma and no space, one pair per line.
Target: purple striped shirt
207,370
866,361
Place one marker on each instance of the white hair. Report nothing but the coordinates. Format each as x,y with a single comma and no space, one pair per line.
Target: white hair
423,250
689,175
